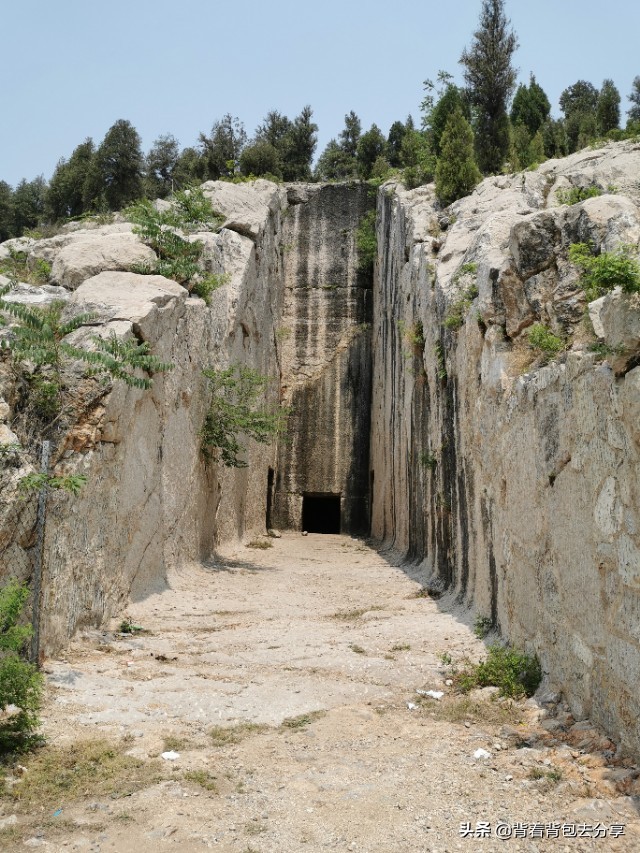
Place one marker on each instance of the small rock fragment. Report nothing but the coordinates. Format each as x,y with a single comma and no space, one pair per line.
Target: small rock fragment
481,753
171,755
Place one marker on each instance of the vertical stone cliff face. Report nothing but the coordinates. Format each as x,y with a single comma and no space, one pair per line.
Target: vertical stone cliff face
418,408
326,357
150,502
515,481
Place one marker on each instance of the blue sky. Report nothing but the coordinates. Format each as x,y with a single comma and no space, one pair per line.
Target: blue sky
70,69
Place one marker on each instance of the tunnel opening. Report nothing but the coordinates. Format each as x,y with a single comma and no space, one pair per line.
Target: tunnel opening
321,513
270,483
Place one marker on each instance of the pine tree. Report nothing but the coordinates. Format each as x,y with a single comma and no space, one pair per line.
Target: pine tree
190,169
439,103
531,106
578,103
66,194
160,166
221,150
261,158
334,164
456,173
491,78
299,145
350,136
273,130
397,132
117,166
28,204
371,145
634,98
6,221
608,108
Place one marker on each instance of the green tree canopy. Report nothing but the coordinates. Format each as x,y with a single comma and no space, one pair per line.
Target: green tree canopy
160,166
491,78
299,146
28,204
578,103
190,168
456,173
608,107
397,132
115,174
371,145
451,98
531,106
273,130
350,135
221,150
634,98
334,164
6,214
66,194
261,158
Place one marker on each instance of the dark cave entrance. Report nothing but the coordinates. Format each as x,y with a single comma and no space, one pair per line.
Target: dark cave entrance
321,513
270,482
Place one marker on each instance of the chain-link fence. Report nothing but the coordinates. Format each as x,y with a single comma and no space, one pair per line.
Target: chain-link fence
23,493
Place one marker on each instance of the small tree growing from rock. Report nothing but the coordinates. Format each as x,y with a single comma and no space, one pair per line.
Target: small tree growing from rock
456,173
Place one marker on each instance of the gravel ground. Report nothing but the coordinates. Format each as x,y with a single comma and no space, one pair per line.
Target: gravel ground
285,681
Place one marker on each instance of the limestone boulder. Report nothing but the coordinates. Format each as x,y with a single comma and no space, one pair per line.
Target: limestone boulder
93,253
143,300
246,207
532,242
29,294
616,320
605,221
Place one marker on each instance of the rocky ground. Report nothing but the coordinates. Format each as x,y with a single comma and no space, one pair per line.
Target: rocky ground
271,704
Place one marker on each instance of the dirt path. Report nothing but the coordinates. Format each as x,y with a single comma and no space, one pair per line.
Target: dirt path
286,679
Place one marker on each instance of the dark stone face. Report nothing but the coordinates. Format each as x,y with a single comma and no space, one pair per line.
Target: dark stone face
328,368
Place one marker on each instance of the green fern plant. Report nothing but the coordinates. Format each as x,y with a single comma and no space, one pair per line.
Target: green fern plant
38,337
178,259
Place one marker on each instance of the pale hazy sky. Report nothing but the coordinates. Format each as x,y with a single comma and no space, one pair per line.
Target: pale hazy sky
69,69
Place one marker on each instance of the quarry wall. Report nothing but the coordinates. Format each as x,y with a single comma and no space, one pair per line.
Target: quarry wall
516,482
415,401
326,357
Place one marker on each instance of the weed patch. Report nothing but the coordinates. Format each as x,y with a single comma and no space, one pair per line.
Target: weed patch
544,341
456,709
575,195
302,720
202,778
65,774
356,613
226,735
600,273
515,673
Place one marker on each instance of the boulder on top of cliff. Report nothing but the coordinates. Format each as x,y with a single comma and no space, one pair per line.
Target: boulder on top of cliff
94,253
246,207
140,299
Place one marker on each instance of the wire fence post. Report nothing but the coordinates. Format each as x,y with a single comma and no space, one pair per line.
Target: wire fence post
38,554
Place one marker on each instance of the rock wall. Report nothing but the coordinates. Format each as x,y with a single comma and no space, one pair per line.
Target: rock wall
516,481
150,503
326,356
418,405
